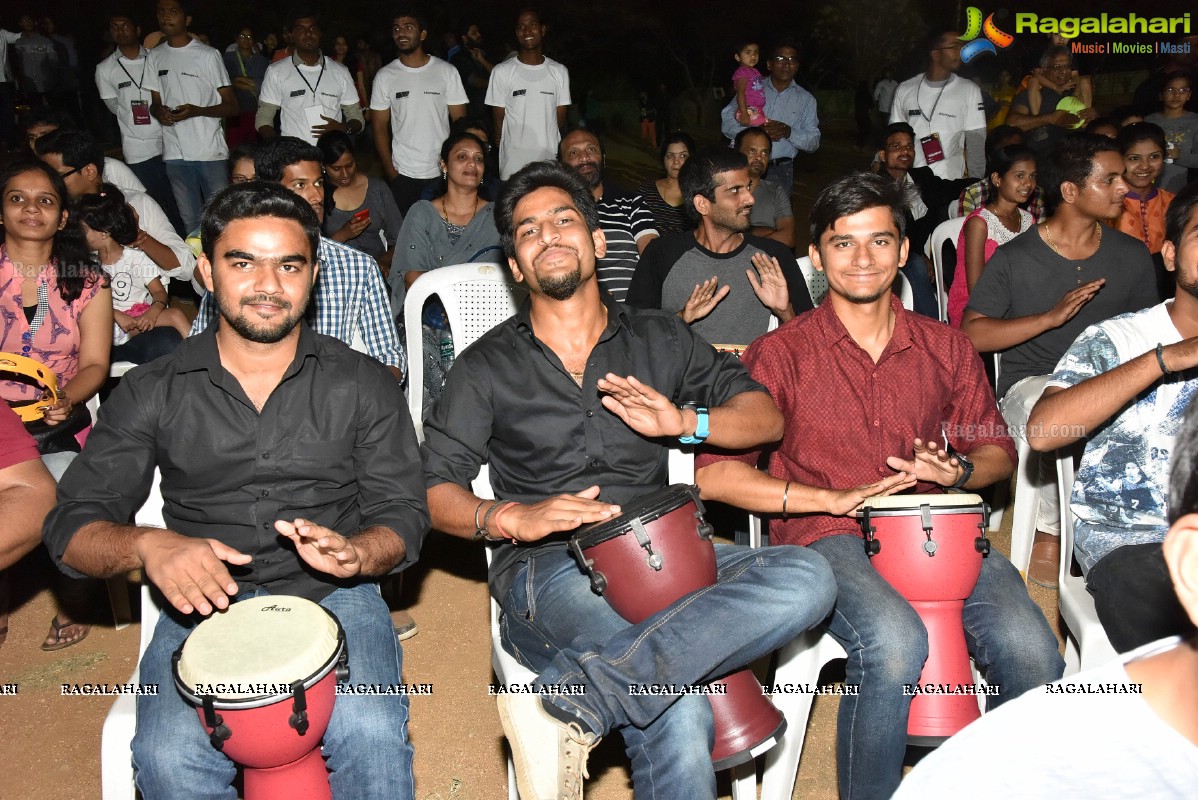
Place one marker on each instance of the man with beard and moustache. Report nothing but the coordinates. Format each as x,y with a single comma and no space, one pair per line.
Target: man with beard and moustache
772,216
320,515
1043,288
529,95
626,222
574,403
871,394
311,93
698,273
1127,382
472,65
351,301
418,96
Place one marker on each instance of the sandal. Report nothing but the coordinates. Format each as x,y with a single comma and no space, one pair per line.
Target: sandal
55,639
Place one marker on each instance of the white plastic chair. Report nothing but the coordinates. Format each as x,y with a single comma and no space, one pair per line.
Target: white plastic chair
116,758
1027,497
946,232
477,297
1086,642
817,281
954,208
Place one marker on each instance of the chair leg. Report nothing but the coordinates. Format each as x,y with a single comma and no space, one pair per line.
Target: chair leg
1027,504
118,596
744,781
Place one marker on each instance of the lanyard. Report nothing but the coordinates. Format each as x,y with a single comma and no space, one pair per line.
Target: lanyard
143,71
928,117
311,88
241,62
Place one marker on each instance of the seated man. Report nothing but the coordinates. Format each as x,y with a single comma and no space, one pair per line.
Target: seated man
1128,727
1035,110
283,454
26,494
772,216
1043,288
351,299
720,278
836,373
1126,383
574,402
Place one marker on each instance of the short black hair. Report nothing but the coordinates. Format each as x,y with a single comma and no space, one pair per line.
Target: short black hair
1131,135
45,115
752,129
853,194
107,212
999,133
1180,211
932,40
892,129
1102,122
251,200
77,148
296,13
244,150
786,42
277,154
419,16
1072,161
541,175
1183,480
698,174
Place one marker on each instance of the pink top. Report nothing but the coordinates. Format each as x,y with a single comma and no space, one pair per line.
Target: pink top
996,234
754,96
55,340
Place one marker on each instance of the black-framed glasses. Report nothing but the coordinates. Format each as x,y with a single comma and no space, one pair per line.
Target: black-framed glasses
784,59
69,173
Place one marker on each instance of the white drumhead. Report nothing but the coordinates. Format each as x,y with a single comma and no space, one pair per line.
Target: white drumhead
276,639
913,501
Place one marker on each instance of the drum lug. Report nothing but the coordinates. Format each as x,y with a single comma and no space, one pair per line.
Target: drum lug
646,541
220,732
598,582
872,545
982,545
704,528
341,671
299,708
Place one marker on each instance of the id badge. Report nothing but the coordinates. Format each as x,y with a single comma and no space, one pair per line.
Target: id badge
141,112
933,152
313,116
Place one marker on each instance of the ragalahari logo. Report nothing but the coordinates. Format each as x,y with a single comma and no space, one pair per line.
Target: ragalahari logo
994,38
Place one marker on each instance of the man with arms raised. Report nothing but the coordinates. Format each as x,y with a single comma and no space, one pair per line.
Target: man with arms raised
574,402
284,455
872,396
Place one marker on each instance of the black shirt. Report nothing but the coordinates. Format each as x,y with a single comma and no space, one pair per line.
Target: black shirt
333,444
508,401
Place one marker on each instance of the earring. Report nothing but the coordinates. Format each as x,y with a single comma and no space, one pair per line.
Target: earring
444,175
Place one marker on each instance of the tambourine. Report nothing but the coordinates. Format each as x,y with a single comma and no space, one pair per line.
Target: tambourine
27,367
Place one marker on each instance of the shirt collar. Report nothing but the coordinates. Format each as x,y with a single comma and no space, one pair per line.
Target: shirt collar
200,352
833,331
299,62
617,316
1142,198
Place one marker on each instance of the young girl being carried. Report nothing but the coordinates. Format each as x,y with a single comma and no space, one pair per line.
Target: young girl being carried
139,299
747,81
1012,172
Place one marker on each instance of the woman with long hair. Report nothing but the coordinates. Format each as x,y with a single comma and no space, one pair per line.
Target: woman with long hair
360,210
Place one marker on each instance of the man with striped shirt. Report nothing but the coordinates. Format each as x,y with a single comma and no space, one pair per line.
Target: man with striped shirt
625,220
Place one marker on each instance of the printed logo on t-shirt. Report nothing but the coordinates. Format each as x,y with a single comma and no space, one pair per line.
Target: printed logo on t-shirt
551,94
297,93
190,75
519,93
162,72
434,93
915,112
124,84
401,95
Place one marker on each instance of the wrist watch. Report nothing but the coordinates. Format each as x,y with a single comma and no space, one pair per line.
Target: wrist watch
966,471
700,434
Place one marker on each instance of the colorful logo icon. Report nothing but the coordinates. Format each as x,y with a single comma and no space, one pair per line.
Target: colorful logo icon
974,27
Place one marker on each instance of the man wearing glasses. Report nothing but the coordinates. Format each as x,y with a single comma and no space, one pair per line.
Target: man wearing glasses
793,124
1035,110
945,112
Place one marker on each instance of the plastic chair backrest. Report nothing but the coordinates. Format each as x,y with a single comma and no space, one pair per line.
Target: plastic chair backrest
817,281
947,232
954,208
477,297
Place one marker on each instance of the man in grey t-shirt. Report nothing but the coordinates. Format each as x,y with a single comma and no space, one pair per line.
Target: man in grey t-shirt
772,216
1042,289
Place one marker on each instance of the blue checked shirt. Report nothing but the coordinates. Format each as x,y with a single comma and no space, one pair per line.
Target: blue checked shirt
351,305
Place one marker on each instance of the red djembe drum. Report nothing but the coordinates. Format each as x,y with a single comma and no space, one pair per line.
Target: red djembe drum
929,547
263,677
648,558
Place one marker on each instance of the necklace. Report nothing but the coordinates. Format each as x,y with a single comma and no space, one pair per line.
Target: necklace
445,210
1053,245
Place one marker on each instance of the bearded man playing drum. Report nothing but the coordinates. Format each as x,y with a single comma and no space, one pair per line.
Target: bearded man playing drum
574,404
869,389
289,467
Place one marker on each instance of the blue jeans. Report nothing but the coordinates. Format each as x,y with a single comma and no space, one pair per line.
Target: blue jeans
366,745
145,347
887,645
555,625
152,174
193,183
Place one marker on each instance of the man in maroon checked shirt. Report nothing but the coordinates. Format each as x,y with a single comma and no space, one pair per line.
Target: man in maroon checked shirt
871,394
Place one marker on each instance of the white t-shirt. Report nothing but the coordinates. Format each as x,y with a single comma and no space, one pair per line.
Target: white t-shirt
290,84
128,278
119,175
418,99
530,96
1091,735
948,109
121,82
190,74
152,219
6,38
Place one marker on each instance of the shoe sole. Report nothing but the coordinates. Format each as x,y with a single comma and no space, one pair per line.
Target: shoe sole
524,781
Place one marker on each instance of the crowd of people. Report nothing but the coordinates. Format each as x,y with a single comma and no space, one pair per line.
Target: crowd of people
675,313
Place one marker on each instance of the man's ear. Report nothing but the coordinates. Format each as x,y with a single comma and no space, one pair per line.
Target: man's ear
204,271
813,254
515,268
702,205
1169,255
1069,191
91,172
1181,557
600,240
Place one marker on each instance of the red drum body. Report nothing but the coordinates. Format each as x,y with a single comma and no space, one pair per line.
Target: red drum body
263,677
930,549
647,559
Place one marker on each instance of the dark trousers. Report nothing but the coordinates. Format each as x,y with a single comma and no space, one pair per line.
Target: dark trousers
145,347
1134,597
408,190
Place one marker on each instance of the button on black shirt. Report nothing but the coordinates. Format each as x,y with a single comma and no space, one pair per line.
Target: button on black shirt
333,444
509,402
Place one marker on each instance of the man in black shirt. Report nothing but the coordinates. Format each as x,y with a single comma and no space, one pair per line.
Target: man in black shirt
573,402
284,455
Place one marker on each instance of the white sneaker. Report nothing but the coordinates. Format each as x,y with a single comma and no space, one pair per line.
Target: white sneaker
550,756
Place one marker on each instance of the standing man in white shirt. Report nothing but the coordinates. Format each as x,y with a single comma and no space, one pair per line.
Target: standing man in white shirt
528,94
8,90
191,92
311,94
945,111
121,80
417,96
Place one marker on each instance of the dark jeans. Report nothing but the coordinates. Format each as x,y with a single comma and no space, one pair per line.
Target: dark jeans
1134,597
408,190
145,347
923,294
